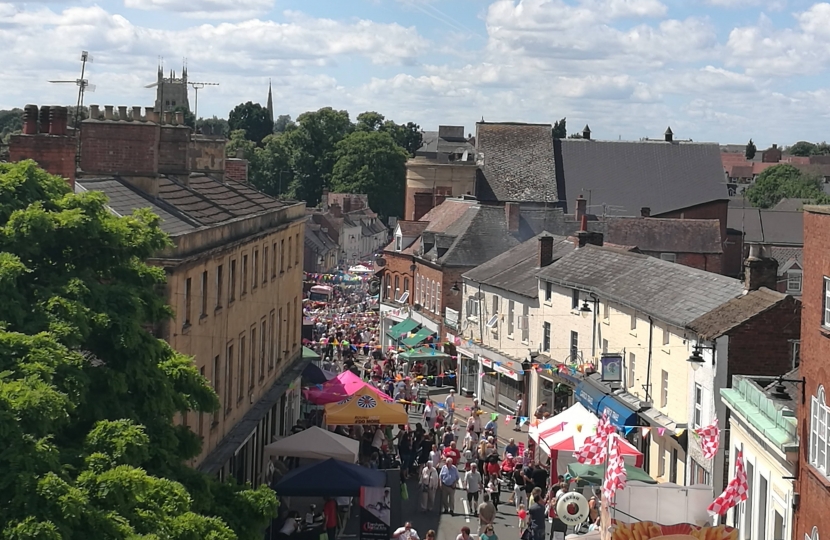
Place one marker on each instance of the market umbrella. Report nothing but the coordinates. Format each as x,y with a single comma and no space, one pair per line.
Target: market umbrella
364,408
341,387
316,443
593,474
330,478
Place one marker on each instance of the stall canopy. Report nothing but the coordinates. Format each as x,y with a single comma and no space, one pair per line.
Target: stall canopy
337,389
316,443
423,353
420,335
330,478
364,408
594,474
574,414
360,269
308,353
317,375
403,327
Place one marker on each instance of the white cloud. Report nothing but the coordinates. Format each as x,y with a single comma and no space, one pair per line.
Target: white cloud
206,9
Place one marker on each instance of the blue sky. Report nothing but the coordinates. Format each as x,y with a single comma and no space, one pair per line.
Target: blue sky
715,70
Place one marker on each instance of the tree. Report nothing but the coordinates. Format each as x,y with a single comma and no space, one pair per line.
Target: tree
270,168
750,151
408,136
11,121
801,148
189,117
783,181
374,164
87,394
369,121
560,130
283,123
212,126
240,146
254,119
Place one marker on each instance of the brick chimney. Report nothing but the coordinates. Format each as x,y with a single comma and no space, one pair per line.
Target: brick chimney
335,210
58,120
30,120
48,145
45,117
760,270
581,208
512,212
545,251
585,237
347,204
645,211
236,169
324,200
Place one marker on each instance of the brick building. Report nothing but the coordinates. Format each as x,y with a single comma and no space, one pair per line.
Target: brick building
47,140
813,484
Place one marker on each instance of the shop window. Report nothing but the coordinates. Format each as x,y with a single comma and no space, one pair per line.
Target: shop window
546,337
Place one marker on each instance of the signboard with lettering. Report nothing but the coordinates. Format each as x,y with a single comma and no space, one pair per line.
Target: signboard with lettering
375,513
611,366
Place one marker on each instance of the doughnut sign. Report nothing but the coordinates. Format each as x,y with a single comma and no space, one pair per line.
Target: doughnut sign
572,508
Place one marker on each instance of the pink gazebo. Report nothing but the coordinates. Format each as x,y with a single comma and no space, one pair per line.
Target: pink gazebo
339,388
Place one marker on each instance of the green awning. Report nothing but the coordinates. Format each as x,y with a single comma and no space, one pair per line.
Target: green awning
419,336
403,327
308,353
423,353
593,474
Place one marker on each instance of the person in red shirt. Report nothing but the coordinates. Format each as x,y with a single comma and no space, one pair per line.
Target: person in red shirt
452,452
330,513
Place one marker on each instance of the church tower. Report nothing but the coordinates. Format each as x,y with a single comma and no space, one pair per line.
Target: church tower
270,104
171,92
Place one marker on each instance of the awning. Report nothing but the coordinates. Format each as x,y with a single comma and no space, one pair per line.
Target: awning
599,402
419,336
507,372
592,475
403,327
309,354
423,353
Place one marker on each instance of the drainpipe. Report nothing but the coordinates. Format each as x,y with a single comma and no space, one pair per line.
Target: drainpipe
594,329
648,372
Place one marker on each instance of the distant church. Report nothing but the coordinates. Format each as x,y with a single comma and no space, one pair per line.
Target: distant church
171,91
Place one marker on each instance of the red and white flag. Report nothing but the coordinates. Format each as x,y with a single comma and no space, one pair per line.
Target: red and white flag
735,493
594,449
615,476
709,439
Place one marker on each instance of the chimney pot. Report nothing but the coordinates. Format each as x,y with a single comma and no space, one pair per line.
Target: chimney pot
150,114
586,132
545,251
774,146
57,123
45,113
94,112
108,112
136,114
179,118
581,208
122,113
512,213
760,270
645,211
30,113
167,117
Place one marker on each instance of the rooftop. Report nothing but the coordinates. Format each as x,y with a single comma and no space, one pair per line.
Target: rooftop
767,226
737,311
666,235
672,293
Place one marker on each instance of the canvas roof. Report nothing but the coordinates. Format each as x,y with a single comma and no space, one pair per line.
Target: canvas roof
316,443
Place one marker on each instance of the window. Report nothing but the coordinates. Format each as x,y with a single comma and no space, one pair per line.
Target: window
201,418
232,282
263,343
244,287
794,281
495,305
697,474
406,284
748,508
240,384
217,387
255,272
574,299
272,342
282,256
818,431
524,324
252,358
229,378
438,297
605,345
188,299
295,322
670,257
548,291
827,302
297,249
664,389
273,260
280,350
416,296
698,415
204,293
574,345
606,310
796,352
398,242
762,508
632,368
546,337
265,264
397,287
778,526
661,460
510,308
219,279
673,467
290,251
472,308
666,335
634,320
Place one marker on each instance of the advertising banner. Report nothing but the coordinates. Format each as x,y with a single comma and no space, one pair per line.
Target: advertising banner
375,514
648,530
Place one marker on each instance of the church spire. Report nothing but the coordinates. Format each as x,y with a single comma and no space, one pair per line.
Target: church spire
270,104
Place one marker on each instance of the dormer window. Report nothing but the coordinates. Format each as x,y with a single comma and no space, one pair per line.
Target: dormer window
398,242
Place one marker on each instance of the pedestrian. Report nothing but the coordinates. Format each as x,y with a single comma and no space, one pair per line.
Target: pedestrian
428,485
536,512
423,395
519,404
449,478
330,512
486,514
541,411
434,456
430,535
429,412
511,448
494,490
449,406
489,534
472,483
406,533
519,494
451,452
465,534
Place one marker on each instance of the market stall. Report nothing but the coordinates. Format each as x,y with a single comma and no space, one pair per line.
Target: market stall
316,443
364,408
339,388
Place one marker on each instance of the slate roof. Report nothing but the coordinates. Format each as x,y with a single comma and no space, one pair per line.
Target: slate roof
768,226
411,229
515,270
627,176
786,254
790,205
666,235
735,312
432,145
518,163
670,292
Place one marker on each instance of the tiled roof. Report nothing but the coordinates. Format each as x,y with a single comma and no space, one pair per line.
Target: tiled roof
790,205
515,270
735,312
518,162
666,235
445,214
621,177
768,226
783,255
412,229
670,292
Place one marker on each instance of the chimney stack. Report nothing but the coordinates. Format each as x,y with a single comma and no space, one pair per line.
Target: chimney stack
335,210
94,112
669,134
581,208
122,113
58,120
645,211
45,113
167,117
585,237
150,114
136,114
30,120
512,212
545,251
760,270
324,200
107,112
586,132
179,118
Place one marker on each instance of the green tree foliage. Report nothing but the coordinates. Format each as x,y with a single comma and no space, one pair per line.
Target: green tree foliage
560,129
212,126
372,162
783,181
271,166
240,146
408,136
87,394
802,148
11,121
750,151
253,118
283,123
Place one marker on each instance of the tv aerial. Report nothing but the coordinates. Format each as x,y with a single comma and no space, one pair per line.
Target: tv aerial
82,84
196,87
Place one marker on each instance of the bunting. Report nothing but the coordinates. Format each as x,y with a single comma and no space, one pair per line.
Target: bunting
709,439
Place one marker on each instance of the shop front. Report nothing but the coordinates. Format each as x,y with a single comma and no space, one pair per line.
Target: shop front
600,401
559,395
468,372
502,383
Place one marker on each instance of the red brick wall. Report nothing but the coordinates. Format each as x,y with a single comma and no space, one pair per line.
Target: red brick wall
173,147
815,349
397,265
53,153
113,147
711,210
236,169
761,345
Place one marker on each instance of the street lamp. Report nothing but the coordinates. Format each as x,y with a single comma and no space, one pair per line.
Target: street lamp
454,289
585,310
696,359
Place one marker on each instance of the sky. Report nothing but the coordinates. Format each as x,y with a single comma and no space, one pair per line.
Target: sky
713,70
